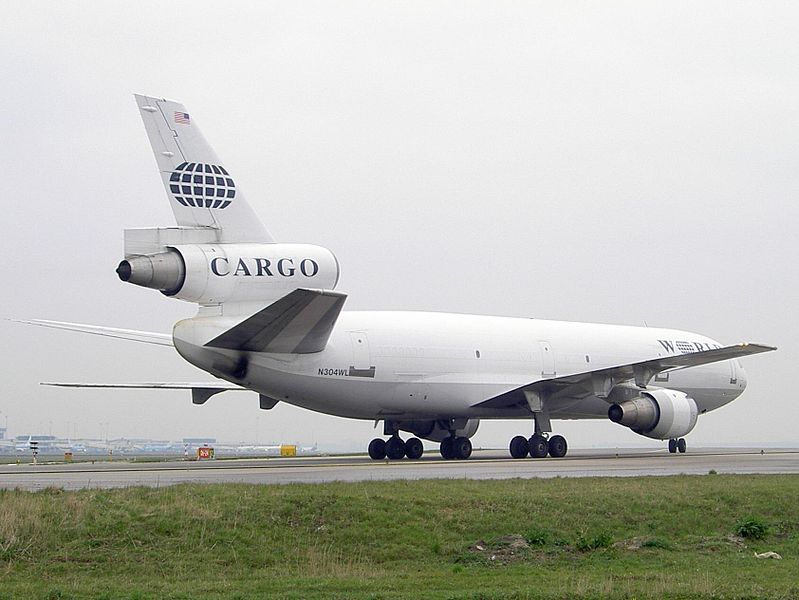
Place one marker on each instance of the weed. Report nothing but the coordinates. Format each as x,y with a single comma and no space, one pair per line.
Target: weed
537,537
658,543
752,528
600,540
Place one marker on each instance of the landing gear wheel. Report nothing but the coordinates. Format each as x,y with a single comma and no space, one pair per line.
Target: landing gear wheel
462,448
414,448
672,446
446,448
557,446
519,447
377,449
538,446
681,447
395,448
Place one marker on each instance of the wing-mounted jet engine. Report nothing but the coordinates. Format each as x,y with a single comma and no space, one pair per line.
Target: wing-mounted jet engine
660,414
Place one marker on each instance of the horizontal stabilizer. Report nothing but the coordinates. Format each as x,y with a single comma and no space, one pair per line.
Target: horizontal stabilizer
200,392
299,323
211,385
147,337
641,373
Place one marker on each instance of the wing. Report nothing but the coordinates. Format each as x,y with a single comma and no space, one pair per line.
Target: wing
147,337
298,323
601,381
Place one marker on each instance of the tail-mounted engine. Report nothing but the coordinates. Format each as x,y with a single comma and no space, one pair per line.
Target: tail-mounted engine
659,414
211,273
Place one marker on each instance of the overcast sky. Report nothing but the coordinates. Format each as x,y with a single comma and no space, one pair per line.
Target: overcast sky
615,162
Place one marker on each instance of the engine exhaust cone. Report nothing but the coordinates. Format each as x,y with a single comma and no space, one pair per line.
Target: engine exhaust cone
616,413
124,271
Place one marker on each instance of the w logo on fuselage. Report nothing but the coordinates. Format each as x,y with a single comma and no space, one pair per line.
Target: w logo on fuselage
202,185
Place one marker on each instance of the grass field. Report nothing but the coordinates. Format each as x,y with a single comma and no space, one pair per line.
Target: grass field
656,537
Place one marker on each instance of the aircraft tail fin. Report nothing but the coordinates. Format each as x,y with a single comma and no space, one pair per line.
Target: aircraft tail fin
201,191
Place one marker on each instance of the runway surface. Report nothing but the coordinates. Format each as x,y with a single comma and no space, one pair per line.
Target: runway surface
484,464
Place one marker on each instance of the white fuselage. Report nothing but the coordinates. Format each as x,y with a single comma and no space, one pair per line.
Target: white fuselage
419,365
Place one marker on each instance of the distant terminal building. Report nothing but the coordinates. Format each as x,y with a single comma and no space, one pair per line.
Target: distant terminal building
48,444
2,433
199,441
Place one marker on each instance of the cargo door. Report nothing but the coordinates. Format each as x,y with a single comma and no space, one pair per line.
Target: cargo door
547,359
361,355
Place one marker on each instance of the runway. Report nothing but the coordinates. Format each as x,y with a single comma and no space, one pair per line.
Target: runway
484,464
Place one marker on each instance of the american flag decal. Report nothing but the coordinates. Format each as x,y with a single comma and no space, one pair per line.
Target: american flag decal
182,118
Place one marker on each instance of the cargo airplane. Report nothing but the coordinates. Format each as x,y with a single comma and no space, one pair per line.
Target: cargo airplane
270,320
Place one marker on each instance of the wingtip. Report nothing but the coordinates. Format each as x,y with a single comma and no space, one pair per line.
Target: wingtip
761,347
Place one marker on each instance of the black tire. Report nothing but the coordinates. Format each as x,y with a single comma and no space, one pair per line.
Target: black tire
519,447
446,448
557,446
681,446
462,448
414,448
538,446
672,446
395,448
377,449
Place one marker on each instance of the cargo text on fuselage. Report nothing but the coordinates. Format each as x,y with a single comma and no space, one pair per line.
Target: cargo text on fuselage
263,267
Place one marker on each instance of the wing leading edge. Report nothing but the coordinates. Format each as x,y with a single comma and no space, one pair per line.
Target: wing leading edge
601,381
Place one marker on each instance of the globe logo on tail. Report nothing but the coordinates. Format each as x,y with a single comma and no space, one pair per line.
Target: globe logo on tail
201,185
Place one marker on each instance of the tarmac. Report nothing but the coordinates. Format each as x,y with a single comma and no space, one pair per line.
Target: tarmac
484,464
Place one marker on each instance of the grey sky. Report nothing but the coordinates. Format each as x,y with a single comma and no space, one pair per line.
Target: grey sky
612,162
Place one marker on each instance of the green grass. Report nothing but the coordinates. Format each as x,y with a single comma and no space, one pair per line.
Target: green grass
659,537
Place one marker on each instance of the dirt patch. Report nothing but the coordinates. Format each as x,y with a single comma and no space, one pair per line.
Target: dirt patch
631,544
505,549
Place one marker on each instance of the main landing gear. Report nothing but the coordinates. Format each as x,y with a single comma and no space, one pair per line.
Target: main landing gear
677,445
394,448
454,447
538,446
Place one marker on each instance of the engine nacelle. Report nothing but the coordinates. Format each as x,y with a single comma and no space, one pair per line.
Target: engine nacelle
659,414
433,431
214,273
